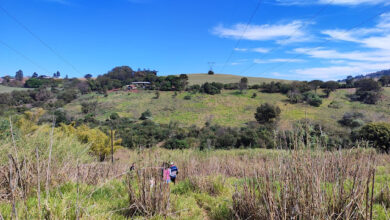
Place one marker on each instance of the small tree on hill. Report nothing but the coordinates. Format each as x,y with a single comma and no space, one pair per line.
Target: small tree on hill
34,75
243,85
88,76
330,86
368,91
267,113
210,72
315,84
385,81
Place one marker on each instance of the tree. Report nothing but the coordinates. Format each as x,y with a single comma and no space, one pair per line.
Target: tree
385,80
329,87
88,76
210,72
368,91
378,134
243,85
19,75
58,74
315,84
267,113
349,81
34,75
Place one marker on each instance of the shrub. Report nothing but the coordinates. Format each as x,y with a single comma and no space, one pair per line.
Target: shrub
210,72
88,107
313,99
368,91
254,95
146,115
335,105
295,97
68,95
211,88
352,120
378,134
187,97
267,113
175,143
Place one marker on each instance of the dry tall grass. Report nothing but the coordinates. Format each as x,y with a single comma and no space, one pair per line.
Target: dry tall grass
310,186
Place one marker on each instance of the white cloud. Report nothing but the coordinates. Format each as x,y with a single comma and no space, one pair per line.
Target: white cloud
337,72
321,53
241,49
280,60
282,33
260,50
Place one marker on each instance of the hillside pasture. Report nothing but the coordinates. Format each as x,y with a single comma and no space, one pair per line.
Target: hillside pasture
6,89
230,108
226,78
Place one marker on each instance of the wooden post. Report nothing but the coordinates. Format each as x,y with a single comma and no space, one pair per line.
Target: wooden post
38,184
112,146
11,186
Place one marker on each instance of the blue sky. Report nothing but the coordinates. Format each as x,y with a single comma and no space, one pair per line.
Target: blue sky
289,39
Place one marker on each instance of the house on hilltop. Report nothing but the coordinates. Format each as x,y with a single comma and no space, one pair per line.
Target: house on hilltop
138,85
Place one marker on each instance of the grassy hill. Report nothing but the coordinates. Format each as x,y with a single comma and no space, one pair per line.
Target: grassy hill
225,78
229,108
4,89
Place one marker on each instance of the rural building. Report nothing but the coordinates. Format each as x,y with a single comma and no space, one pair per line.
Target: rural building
138,85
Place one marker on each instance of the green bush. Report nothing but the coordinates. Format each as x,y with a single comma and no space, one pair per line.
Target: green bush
378,134
313,99
175,143
267,113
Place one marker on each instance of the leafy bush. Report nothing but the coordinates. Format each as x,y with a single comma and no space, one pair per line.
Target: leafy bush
378,134
88,107
175,143
352,119
313,99
146,115
267,113
187,97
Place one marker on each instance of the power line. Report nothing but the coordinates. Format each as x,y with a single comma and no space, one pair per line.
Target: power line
39,39
327,40
24,56
242,35
322,9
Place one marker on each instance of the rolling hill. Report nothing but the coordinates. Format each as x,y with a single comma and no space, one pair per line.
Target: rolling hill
200,78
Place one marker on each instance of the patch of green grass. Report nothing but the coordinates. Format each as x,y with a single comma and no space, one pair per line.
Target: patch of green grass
6,89
230,108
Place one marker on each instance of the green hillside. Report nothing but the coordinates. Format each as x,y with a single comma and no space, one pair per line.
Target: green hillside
4,89
225,78
229,108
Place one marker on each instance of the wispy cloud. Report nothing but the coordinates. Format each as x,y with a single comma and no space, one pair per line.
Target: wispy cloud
241,49
257,50
337,72
280,60
281,33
